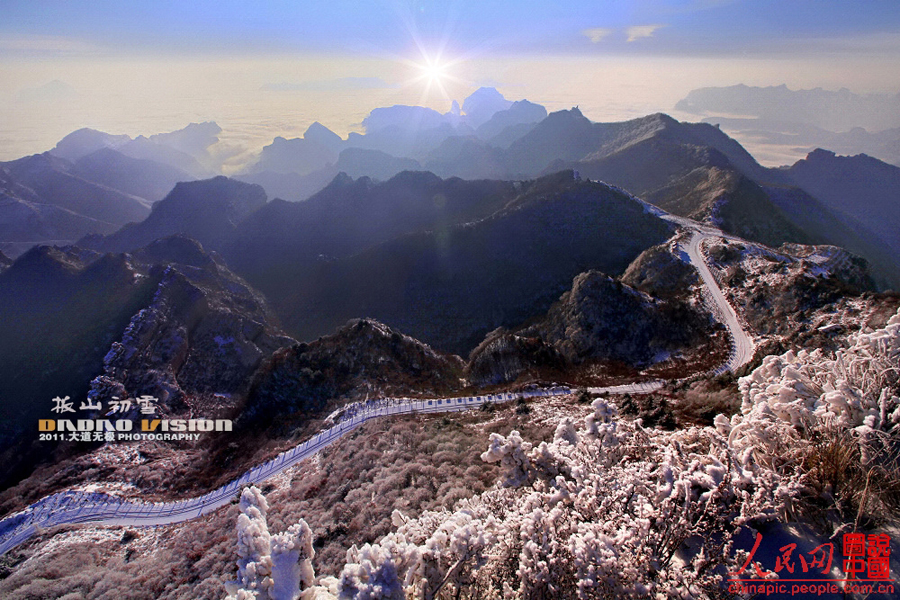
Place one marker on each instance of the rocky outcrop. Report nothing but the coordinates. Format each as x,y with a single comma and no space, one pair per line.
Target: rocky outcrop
167,321
504,356
602,319
659,272
364,358
198,341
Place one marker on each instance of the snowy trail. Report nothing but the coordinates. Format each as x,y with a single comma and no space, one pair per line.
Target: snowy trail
71,507
742,346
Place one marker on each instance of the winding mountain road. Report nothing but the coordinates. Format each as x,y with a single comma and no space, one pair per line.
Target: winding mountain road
72,507
742,346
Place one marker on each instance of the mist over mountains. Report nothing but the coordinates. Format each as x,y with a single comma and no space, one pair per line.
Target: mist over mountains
94,183
495,231
802,120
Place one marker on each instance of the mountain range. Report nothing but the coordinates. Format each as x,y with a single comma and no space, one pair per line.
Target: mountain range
166,320
787,122
692,170
493,247
516,255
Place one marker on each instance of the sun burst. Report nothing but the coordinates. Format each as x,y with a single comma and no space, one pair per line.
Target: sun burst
434,73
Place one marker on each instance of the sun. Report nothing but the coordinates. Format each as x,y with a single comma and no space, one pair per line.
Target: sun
433,72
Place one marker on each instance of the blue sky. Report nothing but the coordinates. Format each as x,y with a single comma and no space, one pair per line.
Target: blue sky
667,27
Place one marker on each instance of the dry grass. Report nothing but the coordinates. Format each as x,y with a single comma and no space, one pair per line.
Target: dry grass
864,490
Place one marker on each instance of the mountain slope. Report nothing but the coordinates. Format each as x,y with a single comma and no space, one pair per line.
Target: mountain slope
26,220
207,211
676,166
167,321
283,240
860,187
54,181
449,287
145,179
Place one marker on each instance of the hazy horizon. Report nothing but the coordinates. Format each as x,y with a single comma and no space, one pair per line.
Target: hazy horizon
272,69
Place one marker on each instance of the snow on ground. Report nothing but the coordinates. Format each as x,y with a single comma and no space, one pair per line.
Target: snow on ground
605,508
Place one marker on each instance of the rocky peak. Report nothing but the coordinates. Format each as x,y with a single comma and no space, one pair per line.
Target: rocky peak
195,344
177,249
43,263
86,141
363,357
483,103
602,319
325,137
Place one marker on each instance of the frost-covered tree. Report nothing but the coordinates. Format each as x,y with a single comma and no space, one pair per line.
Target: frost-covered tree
270,567
598,511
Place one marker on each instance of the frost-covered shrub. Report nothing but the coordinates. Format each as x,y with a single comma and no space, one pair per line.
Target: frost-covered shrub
604,510
856,388
512,454
798,405
373,572
270,567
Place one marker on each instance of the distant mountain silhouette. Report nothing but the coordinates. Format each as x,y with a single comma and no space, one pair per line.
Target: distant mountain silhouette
519,114
407,138
835,111
358,162
564,136
207,211
324,137
290,186
184,149
396,138
192,140
145,179
403,117
883,145
86,141
355,162
298,155
467,157
483,104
